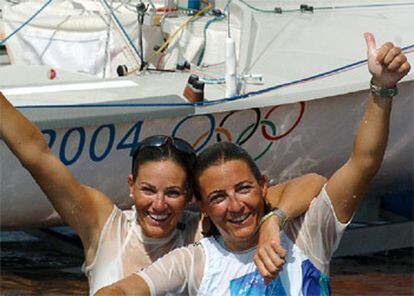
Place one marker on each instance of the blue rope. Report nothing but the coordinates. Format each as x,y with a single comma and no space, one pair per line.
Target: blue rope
48,2
209,80
25,23
325,7
364,6
268,89
207,103
216,18
122,29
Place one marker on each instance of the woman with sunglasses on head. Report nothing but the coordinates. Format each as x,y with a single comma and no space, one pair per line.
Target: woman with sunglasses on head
116,243
231,191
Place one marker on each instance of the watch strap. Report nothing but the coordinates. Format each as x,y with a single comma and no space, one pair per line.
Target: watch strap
383,91
276,212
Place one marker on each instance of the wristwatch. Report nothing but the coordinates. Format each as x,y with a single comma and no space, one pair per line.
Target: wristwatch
276,212
383,91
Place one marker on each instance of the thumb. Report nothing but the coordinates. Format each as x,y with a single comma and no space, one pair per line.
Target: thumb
371,46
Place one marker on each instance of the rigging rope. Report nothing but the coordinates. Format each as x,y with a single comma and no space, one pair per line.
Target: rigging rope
167,42
406,49
121,27
203,48
26,22
108,35
280,10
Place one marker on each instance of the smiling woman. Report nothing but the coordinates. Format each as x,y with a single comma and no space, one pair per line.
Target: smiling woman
232,196
161,183
160,197
116,243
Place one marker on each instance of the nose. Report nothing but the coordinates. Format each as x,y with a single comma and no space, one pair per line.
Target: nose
235,205
159,203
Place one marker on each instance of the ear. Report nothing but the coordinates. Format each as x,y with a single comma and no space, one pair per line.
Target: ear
263,185
131,185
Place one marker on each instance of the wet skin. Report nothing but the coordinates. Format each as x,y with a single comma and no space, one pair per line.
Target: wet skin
159,195
233,200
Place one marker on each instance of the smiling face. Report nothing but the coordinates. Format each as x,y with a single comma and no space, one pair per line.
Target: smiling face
233,199
160,196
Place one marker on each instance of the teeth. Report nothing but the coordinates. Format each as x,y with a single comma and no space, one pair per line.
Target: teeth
239,219
158,217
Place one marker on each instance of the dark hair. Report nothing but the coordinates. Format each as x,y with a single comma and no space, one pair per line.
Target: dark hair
216,154
162,153
219,153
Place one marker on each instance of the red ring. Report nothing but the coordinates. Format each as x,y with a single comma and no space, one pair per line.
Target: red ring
270,138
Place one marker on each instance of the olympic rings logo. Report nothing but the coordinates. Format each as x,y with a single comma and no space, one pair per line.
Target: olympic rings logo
267,127
75,142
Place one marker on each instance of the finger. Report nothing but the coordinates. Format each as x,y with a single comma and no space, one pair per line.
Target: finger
396,63
391,55
260,266
383,51
271,260
371,46
404,69
277,247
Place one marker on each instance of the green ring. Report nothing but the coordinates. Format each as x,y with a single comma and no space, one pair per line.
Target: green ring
273,127
244,132
247,129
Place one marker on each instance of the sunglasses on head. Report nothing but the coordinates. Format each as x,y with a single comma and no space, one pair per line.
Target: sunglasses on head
160,141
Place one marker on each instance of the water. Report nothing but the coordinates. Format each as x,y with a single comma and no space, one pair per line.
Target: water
32,266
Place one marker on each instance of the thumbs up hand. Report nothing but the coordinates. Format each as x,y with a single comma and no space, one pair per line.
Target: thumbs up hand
387,64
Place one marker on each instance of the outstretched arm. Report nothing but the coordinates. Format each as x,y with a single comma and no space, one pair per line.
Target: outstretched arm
82,207
292,197
347,185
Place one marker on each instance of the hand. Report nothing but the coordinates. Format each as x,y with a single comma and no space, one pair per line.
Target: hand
387,64
269,257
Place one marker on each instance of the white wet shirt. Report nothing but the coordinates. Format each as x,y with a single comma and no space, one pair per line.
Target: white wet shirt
208,268
123,248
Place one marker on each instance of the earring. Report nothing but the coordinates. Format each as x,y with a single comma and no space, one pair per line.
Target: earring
131,195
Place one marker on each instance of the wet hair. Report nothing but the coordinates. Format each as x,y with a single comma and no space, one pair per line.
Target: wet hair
217,154
162,153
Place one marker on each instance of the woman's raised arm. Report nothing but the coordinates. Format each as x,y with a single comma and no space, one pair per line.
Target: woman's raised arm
83,208
347,186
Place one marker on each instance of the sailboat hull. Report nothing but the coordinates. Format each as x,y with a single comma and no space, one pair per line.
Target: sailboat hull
286,141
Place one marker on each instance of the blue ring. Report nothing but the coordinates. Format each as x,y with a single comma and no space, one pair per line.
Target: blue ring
212,127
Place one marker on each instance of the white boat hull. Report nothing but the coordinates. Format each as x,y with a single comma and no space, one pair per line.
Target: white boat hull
286,141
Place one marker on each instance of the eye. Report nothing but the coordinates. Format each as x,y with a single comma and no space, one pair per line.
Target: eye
174,193
216,198
147,191
244,188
